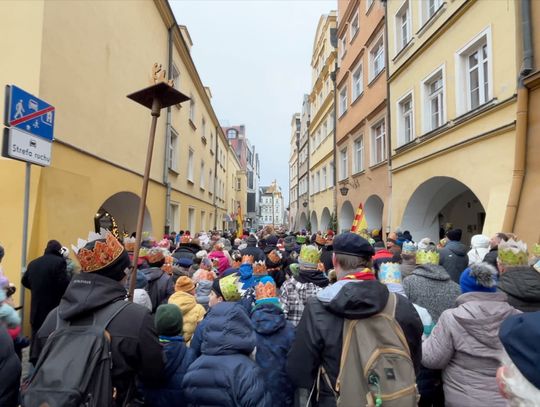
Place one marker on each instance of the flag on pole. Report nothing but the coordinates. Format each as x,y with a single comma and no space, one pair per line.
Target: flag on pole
359,222
239,223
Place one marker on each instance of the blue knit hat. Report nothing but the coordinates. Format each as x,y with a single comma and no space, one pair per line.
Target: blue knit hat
481,277
142,281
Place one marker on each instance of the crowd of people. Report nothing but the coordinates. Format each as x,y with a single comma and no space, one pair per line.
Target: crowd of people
277,319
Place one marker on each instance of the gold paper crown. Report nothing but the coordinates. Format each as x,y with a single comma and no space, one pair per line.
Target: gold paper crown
129,244
536,250
275,256
259,268
513,253
309,255
155,255
101,255
427,257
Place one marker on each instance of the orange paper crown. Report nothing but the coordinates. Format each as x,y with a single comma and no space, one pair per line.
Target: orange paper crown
265,290
259,268
102,255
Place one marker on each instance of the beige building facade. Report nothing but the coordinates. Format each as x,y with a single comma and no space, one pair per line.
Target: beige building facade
294,203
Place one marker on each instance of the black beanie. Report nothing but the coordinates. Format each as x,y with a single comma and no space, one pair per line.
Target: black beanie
216,288
454,234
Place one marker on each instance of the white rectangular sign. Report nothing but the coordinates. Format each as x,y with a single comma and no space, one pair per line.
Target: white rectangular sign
27,147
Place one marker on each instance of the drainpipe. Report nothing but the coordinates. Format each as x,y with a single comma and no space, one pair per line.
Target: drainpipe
388,124
334,175
520,152
215,176
308,169
168,141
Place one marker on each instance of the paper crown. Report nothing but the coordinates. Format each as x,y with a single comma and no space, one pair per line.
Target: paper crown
427,257
259,268
300,239
185,239
129,244
275,256
102,255
408,248
536,250
390,273
165,243
513,253
309,256
266,289
155,255
229,287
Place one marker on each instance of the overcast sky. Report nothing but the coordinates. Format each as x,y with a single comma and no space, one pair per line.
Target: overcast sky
255,56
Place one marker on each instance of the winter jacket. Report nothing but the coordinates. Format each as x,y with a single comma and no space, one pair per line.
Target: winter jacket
254,251
430,287
491,257
10,371
319,335
454,259
224,375
223,261
160,286
407,267
178,359
296,291
274,339
186,251
134,345
192,313
326,258
141,297
46,277
465,344
522,286
202,292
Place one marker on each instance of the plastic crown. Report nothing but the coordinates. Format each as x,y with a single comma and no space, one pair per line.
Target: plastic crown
309,254
427,257
513,253
390,273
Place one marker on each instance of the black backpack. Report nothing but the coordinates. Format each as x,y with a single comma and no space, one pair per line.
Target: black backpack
74,368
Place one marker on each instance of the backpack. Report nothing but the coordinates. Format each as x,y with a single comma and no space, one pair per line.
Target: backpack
74,368
376,367
154,292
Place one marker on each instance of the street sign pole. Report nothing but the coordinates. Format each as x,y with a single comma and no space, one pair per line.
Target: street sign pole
25,232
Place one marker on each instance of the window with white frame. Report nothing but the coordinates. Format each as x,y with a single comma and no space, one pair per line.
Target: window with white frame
403,26
174,209
343,170
211,182
173,150
323,179
429,8
203,128
376,57
369,3
378,143
203,220
342,48
175,76
190,165
406,115
312,185
325,130
354,25
211,143
434,101
192,109
342,101
359,154
320,98
357,82
331,174
318,182
203,181
191,219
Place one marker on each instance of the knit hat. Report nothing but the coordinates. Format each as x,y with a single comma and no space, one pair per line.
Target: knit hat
309,257
201,254
479,277
289,243
251,240
272,240
454,234
520,336
295,269
265,291
185,262
426,244
142,281
227,287
184,284
480,242
168,320
513,253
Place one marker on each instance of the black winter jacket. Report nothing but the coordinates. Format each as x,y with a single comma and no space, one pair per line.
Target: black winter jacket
135,347
10,371
522,286
254,251
47,278
319,335
454,259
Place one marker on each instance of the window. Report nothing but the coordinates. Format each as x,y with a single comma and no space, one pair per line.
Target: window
355,25
192,109
343,170
342,48
211,182
331,174
320,98
403,25
369,3
174,209
429,8
478,78
376,56
173,150
357,82
342,101
324,181
203,220
203,181
405,125
378,143
312,185
203,128
211,143
434,101
175,76
359,154
231,133
238,183
190,166
191,219
318,182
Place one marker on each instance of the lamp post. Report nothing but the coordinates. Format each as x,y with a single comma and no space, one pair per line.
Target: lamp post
155,97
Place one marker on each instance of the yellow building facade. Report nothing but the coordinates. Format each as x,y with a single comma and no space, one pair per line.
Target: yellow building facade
452,93
84,58
321,127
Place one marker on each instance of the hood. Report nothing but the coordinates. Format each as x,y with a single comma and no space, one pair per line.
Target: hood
312,276
267,318
190,246
228,331
354,299
480,242
521,282
481,315
246,272
174,351
203,288
431,271
458,248
223,261
185,301
153,273
87,292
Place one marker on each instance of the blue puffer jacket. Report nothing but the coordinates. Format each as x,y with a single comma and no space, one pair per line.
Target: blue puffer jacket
275,336
224,375
178,358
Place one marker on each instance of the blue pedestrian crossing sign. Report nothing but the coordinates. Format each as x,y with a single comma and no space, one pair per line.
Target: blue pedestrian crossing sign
30,114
